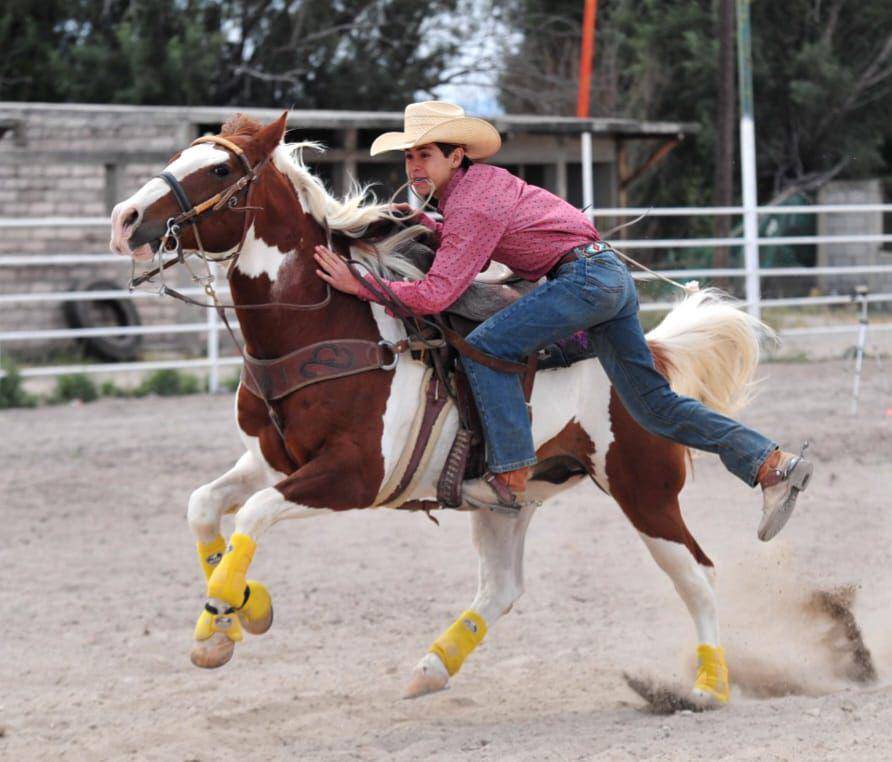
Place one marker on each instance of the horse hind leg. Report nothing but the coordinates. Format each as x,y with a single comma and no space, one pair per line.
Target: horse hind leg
216,632
499,541
678,554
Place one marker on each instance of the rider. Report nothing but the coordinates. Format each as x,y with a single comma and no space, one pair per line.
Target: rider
489,214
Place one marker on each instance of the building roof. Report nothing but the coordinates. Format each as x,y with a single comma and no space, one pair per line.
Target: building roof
330,119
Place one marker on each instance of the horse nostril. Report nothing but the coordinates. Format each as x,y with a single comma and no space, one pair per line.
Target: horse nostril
130,219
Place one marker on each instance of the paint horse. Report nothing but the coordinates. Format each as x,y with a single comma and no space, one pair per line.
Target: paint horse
342,439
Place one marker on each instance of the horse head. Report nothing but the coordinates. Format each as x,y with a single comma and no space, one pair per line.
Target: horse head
198,187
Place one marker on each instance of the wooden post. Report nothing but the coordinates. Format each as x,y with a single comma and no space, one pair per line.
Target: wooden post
349,168
586,57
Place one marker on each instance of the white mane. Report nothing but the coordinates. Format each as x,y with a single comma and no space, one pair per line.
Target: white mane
350,216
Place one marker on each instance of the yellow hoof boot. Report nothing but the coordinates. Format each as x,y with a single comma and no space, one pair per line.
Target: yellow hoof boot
210,554
257,613
712,675
225,624
454,645
228,582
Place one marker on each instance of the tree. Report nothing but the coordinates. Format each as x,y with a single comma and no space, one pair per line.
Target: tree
822,80
726,111
305,53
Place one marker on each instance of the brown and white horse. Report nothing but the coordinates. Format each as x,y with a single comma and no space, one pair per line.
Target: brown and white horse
344,437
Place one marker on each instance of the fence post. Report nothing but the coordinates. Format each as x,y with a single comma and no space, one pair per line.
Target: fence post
588,185
748,160
213,346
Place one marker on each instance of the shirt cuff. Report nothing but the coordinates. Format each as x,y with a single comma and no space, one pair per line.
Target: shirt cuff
365,285
429,222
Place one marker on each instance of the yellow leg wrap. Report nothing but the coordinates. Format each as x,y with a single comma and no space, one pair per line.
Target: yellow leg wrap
229,578
209,623
258,609
209,555
462,637
712,673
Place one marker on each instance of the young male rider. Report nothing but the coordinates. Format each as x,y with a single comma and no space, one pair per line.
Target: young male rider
489,214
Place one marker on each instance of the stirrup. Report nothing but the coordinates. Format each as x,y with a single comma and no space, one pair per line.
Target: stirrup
494,504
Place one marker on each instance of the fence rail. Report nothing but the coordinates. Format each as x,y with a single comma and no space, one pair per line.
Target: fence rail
213,361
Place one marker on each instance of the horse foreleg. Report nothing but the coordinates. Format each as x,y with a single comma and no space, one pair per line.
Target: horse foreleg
215,636
499,541
336,480
210,502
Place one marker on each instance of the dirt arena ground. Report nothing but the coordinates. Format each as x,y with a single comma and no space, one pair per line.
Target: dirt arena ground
100,590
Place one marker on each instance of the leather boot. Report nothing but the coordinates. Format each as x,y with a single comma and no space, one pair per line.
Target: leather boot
504,493
782,477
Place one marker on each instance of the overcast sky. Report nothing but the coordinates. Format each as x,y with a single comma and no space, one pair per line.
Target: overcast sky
476,93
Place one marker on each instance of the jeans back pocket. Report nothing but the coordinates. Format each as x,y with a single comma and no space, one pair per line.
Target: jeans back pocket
605,272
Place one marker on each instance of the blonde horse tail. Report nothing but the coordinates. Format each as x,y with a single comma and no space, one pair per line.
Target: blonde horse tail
709,349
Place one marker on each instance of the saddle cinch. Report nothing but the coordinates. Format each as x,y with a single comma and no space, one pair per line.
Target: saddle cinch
485,297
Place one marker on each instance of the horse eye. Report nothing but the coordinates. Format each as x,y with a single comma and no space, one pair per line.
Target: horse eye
221,171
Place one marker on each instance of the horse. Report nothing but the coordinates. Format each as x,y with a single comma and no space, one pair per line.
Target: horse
330,446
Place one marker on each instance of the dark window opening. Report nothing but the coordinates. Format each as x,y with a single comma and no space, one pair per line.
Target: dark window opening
328,138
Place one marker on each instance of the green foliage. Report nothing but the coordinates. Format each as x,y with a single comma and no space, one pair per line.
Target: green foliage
12,394
111,389
76,386
822,84
168,383
302,53
231,383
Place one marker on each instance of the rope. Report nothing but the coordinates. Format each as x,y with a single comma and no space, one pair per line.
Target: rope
691,287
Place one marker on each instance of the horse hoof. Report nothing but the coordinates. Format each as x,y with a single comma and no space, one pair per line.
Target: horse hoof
429,676
707,700
257,615
213,652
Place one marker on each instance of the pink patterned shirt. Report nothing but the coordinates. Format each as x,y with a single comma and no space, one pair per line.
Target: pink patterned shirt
489,214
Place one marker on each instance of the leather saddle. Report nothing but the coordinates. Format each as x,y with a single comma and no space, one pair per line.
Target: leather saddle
486,296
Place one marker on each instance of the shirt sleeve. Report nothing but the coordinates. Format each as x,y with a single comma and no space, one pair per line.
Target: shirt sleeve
435,226
468,239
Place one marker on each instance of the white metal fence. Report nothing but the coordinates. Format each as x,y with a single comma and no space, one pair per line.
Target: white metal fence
752,274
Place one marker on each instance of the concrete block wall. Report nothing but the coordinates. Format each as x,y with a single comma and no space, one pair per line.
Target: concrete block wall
59,161
856,223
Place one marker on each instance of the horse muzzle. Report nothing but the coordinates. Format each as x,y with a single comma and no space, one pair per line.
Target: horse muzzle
133,237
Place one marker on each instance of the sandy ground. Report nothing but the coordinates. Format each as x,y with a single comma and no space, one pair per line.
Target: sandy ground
100,590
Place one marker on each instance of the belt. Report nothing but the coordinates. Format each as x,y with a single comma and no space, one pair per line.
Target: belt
575,254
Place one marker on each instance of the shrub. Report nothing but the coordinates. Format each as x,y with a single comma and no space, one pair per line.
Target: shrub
168,383
75,387
111,389
231,383
12,394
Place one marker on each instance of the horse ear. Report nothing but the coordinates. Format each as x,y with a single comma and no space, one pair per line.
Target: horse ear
269,137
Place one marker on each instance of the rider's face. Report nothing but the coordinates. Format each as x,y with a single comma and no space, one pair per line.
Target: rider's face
426,165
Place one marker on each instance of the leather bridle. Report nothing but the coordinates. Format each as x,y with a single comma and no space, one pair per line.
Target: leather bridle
190,213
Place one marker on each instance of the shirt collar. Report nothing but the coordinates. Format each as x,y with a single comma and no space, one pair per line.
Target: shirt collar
451,186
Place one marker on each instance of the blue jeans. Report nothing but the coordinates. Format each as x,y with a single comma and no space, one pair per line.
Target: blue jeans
596,292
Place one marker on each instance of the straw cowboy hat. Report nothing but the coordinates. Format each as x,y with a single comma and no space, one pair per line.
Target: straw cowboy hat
441,122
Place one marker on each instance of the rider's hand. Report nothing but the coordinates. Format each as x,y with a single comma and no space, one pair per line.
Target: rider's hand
334,271
405,210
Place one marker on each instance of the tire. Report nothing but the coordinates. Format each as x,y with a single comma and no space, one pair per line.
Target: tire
105,312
